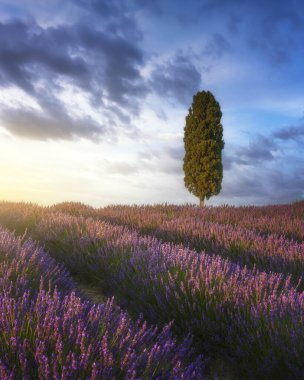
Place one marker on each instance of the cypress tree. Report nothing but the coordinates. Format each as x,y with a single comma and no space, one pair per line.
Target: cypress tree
203,141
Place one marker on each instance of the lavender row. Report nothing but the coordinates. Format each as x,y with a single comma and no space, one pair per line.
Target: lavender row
23,261
205,229
286,220
50,334
254,317
20,216
271,253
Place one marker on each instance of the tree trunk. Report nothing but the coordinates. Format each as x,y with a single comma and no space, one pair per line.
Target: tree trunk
202,202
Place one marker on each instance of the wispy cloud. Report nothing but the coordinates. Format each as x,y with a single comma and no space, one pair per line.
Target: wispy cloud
295,133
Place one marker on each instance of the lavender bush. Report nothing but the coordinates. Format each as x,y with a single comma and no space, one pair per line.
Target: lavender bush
228,296
287,220
49,334
252,316
193,228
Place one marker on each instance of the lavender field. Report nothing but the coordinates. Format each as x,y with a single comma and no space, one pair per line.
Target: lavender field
151,292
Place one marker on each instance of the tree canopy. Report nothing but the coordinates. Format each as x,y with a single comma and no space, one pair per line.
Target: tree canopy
203,142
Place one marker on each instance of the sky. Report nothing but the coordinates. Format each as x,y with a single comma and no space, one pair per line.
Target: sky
94,95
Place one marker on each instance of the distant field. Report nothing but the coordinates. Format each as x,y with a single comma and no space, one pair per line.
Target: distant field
213,293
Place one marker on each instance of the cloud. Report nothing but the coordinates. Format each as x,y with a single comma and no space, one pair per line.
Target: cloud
40,126
267,170
42,61
276,50
177,153
271,30
228,159
117,63
276,31
216,46
150,6
164,160
295,133
104,8
148,155
115,16
262,185
264,148
285,186
249,184
177,79
259,150
121,167
27,48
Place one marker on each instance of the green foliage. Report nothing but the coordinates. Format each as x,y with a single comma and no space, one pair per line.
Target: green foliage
203,141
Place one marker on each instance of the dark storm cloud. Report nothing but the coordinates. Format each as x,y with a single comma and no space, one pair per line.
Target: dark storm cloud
91,58
26,47
40,61
120,62
177,79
